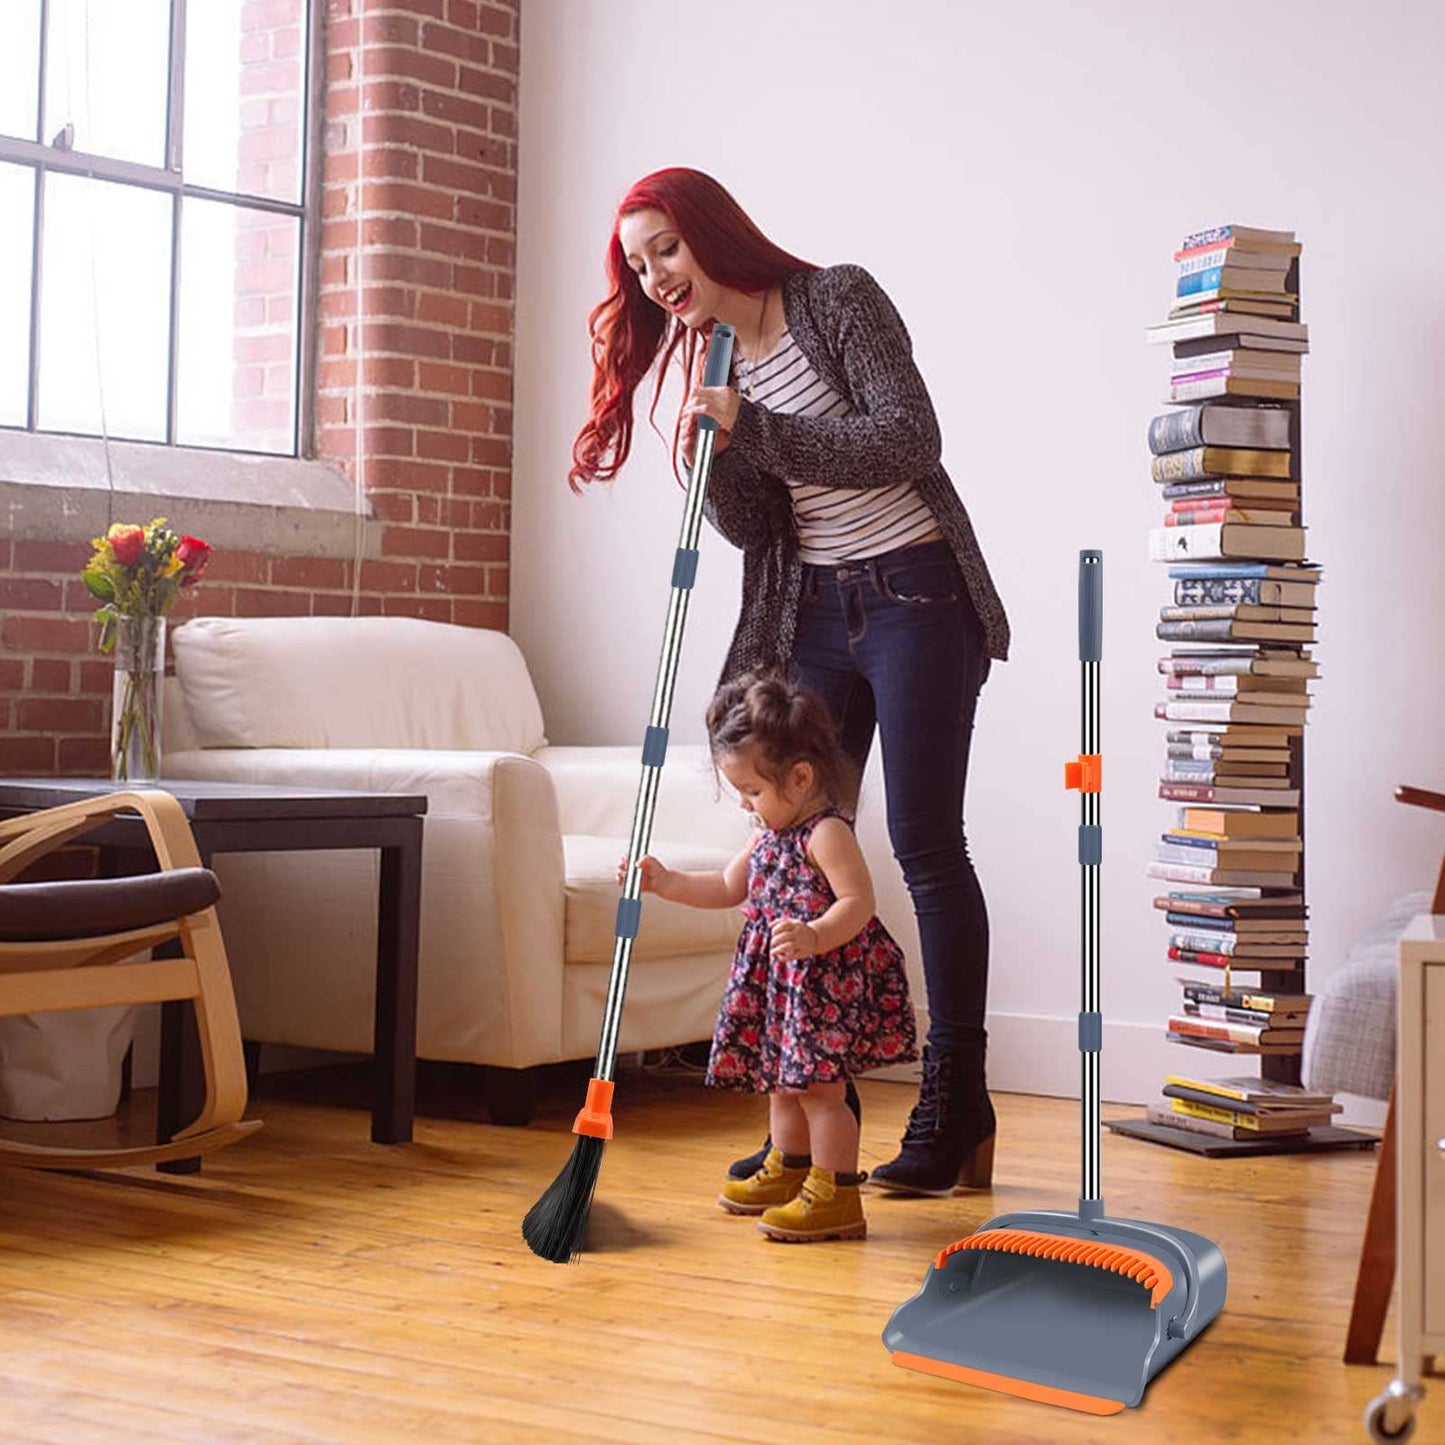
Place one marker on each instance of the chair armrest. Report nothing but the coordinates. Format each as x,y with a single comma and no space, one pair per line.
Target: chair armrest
492,820
24,839
597,791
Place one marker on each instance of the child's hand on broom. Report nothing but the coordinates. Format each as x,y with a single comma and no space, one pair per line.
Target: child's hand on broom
654,876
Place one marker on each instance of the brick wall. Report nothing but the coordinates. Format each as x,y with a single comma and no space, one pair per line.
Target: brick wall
420,152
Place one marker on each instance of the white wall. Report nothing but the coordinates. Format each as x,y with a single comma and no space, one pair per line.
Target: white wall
1017,177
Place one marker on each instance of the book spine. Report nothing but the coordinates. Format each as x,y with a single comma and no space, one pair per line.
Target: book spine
1209,279
1176,430
1205,591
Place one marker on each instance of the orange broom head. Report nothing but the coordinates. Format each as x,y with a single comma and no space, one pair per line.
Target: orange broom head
595,1116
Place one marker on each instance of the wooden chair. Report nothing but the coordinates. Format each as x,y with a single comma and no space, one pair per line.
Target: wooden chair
74,944
1376,1275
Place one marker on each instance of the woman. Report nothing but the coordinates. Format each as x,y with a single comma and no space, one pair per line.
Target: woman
861,573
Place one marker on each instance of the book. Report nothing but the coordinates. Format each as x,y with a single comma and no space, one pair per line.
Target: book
1227,244
1195,463
1243,360
1232,629
1220,426
1238,235
1292,572
1268,511
1244,303
1258,1002
1239,822
1227,253
1249,1090
1165,1115
1220,793
1244,591
1225,539
1230,1046
1229,946
1225,323
1253,490
1226,710
1255,1018
1242,1124
1226,383
1217,662
1242,912
1193,345
1199,959
1203,873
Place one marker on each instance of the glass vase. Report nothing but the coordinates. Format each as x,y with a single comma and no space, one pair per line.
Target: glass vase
135,730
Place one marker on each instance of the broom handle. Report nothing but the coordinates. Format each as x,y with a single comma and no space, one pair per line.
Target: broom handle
1091,1021
654,746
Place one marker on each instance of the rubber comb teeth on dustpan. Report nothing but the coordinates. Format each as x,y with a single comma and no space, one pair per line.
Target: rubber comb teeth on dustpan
1078,1310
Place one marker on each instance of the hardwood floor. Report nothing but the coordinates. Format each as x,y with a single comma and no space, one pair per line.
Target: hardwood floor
312,1286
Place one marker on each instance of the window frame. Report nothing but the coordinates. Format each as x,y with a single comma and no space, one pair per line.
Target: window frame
40,157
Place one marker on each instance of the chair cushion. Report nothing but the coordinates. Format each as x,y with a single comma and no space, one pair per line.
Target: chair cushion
668,930
355,682
93,907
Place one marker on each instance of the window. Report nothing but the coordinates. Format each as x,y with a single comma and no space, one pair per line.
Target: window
154,219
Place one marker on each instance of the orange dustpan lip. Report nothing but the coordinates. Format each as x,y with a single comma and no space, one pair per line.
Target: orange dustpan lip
1010,1385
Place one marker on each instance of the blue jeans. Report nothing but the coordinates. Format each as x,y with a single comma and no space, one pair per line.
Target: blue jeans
893,643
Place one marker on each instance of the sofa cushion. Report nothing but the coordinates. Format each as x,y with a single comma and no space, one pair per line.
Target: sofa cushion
355,682
669,930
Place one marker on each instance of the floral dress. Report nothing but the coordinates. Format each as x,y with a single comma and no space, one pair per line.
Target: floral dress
786,1024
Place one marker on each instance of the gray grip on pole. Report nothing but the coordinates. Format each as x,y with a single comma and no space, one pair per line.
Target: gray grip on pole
1091,606
719,364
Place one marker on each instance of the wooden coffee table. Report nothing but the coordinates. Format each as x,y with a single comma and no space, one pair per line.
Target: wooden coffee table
262,818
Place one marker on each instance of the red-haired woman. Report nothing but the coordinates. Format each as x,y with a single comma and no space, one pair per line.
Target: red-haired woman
861,573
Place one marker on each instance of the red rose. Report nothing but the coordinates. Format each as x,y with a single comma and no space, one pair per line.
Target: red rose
193,554
127,543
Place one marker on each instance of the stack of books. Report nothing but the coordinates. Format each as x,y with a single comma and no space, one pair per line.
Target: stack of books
1241,1108
1239,621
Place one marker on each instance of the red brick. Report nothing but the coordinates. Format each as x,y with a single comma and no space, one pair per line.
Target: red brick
40,556
437,376
432,609
28,634
254,602
422,65
32,594
85,757
59,714
473,47
331,605
476,81
309,572
50,674
441,310
415,542
388,576
482,547
402,407
26,757
444,446
228,566
496,20
492,451
474,612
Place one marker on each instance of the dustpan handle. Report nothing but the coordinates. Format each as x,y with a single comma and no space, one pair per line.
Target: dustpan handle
1087,777
654,746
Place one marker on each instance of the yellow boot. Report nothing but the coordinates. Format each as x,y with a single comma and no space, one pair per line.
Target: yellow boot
823,1209
774,1183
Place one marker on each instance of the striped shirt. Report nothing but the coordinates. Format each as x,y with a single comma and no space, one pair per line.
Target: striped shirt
835,524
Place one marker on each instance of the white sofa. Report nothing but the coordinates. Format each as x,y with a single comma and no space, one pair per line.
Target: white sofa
522,839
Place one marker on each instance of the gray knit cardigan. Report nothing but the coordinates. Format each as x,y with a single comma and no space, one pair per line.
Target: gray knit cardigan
850,332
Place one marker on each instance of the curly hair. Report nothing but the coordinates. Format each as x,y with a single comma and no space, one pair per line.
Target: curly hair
783,723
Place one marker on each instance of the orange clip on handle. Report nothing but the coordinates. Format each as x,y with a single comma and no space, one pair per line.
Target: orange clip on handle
1087,774
595,1116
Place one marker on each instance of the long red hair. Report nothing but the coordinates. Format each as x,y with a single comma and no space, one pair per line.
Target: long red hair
630,333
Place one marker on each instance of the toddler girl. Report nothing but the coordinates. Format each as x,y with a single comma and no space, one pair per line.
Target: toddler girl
817,991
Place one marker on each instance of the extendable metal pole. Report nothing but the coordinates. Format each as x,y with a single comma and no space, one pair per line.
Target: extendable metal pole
654,746
1086,776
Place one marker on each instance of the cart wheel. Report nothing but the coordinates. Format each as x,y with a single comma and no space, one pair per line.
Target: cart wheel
1379,1417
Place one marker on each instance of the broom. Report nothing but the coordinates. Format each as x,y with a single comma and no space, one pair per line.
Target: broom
557,1223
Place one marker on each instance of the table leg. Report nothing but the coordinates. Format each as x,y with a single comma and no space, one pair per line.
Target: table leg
394,1042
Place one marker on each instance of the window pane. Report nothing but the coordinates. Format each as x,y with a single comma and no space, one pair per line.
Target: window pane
237,364
19,66
17,232
245,96
107,73
105,266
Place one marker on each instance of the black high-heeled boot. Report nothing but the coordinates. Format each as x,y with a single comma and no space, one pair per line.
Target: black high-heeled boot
746,1168
950,1135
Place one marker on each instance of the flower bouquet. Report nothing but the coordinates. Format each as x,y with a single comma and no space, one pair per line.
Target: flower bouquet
137,573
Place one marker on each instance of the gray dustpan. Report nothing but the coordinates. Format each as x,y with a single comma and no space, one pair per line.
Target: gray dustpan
1078,1309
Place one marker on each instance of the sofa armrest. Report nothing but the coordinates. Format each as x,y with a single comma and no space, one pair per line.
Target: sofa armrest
495,817
597,794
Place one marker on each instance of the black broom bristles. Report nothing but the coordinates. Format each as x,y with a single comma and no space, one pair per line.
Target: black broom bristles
556,1224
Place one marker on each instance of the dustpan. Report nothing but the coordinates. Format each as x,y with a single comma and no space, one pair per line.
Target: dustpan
1078,1310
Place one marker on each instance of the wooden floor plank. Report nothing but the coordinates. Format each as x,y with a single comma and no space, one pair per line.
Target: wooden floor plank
310,1286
